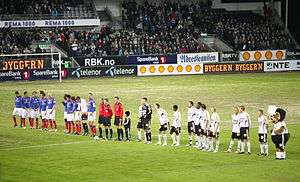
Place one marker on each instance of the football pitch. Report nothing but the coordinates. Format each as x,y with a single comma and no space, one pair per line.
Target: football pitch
34,155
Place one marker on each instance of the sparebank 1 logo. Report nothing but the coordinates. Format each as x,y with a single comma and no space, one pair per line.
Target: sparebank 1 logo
76,72
110,71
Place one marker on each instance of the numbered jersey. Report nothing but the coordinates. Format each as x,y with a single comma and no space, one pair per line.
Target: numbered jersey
214,124
244,120
204,121
262,124
191,114
235,123
176,119
145,111
198,116
162,116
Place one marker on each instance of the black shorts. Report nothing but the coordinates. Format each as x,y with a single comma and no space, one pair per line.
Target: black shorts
139,125
100,120
197,130
106,121
234,136
84,117
244,133
280,140
203,132
118,121
211,134
190,127
174,130
163,127
263,138
145,124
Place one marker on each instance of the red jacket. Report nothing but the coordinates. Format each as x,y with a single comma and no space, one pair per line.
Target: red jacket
118,109
101,109
107,112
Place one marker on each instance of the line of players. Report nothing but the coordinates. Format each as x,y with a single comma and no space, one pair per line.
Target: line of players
202,126
81,114
33,108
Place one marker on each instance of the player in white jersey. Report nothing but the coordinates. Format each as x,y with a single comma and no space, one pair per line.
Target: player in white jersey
197,120
245,123
77,116
204,127
190,121
235,132
175,127
280,133
84,116
214,131
163,120
262,133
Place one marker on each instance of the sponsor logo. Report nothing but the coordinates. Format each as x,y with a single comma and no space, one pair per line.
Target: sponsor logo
262,55
298,65
86,72
23,64
50,23
233,67
278,65
10,73
19,23
99,62
152,59
287,65
112,71
13,75
170,69
48,72
197,58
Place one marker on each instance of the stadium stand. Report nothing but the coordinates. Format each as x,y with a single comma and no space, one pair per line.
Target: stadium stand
147,28
45,9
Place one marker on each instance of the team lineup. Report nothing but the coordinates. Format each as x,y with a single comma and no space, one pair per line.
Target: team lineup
203,127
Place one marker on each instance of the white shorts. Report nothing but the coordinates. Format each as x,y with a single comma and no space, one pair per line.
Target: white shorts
70,117
65,115
51,115
77,116
34,113
44,114
17,112
25,113
91,116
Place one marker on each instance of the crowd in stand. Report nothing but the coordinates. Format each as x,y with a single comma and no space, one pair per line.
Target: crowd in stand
153,28
246,32
19,42
53,7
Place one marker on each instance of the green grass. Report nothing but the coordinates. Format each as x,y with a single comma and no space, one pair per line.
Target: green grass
33,155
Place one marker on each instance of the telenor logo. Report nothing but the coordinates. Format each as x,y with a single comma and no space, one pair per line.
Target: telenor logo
76,72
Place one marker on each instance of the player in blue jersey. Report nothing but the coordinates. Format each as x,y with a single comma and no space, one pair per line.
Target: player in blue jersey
18,108
70,113
92,114
43,110
51,107
34,112
75,105
25,109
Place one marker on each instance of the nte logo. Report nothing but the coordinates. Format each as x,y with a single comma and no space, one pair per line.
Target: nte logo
278,65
